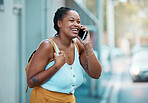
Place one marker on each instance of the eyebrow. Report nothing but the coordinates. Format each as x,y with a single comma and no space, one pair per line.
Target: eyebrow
72,18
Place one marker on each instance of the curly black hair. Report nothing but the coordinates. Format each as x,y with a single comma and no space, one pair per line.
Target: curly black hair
59,14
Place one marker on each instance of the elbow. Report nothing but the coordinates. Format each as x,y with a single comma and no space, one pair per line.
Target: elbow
30,86
99,73
97,76
29,83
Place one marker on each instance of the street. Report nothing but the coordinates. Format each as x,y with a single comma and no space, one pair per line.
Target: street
124,89
120,89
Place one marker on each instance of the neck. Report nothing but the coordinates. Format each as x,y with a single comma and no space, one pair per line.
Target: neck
65,42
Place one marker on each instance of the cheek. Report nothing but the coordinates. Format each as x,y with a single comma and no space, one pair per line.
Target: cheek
68,24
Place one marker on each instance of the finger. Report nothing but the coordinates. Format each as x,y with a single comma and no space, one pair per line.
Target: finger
83,27
54,54
79,38
81,41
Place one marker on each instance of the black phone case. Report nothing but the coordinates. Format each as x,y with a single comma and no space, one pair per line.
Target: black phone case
82,34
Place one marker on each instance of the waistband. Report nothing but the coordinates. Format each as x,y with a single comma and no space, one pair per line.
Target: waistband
39,93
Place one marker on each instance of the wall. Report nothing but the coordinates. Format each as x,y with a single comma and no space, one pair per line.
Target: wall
52,6
39,24
9,50
20,33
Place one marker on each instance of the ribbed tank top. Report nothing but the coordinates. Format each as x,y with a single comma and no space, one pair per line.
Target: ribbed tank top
67,78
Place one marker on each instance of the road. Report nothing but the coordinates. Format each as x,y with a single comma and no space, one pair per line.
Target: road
119,89
124,90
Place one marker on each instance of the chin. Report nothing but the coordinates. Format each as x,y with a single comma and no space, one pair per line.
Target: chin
74,36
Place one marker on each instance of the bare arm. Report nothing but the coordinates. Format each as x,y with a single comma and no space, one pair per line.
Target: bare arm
37,75
90,62
88,59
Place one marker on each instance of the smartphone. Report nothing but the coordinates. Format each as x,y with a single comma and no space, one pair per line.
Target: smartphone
82,34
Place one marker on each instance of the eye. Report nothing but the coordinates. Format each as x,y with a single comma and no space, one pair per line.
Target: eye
71,20
78,22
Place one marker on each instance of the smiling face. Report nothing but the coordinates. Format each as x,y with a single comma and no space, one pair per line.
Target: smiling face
70,24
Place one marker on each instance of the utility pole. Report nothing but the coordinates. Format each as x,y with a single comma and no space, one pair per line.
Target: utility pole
100,32
110,23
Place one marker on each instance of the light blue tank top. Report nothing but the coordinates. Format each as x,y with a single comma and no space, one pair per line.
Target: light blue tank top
67,78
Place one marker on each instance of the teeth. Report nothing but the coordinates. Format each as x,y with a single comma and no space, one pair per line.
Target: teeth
74,29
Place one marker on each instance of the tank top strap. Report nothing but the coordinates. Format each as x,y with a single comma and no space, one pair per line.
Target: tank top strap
74,40
54,45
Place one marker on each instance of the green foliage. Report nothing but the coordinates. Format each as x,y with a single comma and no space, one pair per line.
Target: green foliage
125,15
92,6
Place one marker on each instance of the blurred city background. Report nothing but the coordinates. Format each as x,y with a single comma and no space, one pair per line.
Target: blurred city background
119,33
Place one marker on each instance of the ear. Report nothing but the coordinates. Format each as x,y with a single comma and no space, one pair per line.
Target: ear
59,23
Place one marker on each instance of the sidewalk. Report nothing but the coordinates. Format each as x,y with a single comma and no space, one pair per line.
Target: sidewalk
120,64
82,96
110,93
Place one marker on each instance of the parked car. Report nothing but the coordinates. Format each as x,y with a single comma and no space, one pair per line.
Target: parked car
139,48
139,66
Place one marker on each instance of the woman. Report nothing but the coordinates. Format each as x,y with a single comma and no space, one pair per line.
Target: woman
56,81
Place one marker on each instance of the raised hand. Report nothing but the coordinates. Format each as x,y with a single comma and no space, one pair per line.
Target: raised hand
87,39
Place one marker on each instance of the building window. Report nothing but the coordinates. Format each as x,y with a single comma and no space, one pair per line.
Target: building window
17,6
1,5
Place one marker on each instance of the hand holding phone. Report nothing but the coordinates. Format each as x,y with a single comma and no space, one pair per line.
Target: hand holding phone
82,34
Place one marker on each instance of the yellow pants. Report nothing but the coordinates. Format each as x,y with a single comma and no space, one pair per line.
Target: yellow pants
41,95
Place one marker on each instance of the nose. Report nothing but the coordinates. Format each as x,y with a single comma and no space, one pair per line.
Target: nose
77,24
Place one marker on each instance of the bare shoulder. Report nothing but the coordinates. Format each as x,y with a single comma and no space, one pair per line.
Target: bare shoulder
46,48
46,44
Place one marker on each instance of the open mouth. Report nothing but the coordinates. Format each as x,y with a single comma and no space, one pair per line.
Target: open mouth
75,30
